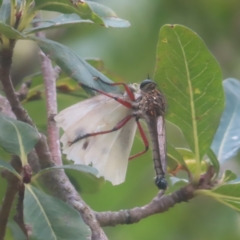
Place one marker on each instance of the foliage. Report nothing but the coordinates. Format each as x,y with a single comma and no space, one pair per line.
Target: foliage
185,71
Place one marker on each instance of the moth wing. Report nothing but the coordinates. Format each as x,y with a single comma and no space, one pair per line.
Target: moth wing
108,153
72,114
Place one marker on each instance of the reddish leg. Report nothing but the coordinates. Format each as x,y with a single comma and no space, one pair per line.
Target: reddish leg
117,127
126,87
145,141
118,99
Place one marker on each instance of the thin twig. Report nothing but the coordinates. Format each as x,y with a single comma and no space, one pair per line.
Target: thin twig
59,185
50,75
12,189
159,204
51,101
19,218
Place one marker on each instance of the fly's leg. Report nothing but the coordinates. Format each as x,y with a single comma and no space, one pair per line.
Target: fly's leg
117,127
118,99
145,141
126,87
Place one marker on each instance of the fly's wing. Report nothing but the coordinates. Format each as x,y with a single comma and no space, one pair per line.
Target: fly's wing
108,153
162,142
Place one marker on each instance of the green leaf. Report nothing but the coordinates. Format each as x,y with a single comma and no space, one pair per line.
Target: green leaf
16,231
84,182
77,167
226,142
10,32
213,159
175,159
108,16
176,184
228,176
5,11
50,218
65,6
8,167
74,66
83,177
191,79
64,20
190,161
17,137
68,20
228,194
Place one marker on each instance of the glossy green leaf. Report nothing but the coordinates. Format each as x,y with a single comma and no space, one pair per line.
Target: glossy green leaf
50,218
84,182
83,177
5,11
74,66
228,194
64,6
175,184
99,65
213,159
64,20
226,142
191,80
10,32
108,16
68,20
76,167
190,161
17,137
80,12
8,167
16,231
228,176
175,159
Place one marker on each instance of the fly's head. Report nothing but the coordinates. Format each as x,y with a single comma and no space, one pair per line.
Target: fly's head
152,100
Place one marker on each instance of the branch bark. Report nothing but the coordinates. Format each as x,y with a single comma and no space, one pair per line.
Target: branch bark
58,184
159,204
13,184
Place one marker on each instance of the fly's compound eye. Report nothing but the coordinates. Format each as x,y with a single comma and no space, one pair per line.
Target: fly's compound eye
146,82
161,183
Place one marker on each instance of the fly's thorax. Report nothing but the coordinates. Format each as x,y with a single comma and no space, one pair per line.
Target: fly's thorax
152,103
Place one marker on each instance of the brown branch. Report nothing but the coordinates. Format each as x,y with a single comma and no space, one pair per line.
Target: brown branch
59,185
19,218
5,67
50,75
51,100
158,205
12,189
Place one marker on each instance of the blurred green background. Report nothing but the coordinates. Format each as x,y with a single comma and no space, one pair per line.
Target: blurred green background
130,53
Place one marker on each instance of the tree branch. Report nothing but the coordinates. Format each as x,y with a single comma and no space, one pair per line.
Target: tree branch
12,189
19,218
159,204
49,76
58,184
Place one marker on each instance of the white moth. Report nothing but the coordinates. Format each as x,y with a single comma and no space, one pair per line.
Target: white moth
108,153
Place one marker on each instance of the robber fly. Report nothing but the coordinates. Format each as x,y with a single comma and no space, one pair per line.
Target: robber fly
100,131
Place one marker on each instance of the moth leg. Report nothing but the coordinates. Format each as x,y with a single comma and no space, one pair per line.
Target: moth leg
115,128
145,141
